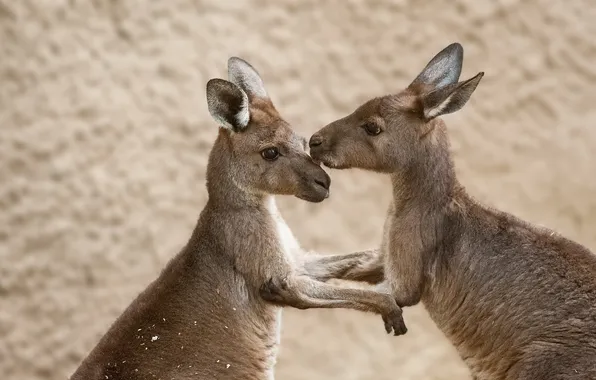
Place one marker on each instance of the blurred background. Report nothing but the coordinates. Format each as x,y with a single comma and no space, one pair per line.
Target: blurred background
104,136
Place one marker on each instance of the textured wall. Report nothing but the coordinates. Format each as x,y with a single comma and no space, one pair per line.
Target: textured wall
104,134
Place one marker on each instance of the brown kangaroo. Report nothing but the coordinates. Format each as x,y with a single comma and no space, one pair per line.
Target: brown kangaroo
204,316
518,301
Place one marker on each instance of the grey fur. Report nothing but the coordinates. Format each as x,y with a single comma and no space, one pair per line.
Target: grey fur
518,301
210,314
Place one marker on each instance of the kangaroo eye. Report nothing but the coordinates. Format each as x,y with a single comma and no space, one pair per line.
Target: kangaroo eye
270,154
372,129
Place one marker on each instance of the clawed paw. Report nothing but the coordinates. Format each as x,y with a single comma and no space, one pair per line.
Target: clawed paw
394,321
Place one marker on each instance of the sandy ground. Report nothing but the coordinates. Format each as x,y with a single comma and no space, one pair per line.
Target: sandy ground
104,134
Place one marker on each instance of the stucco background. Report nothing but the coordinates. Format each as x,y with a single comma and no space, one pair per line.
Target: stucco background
104,135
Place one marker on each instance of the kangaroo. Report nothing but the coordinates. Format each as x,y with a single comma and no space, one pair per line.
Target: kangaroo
209,315
518,301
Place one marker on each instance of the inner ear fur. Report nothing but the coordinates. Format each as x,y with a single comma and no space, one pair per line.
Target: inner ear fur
228,104
448,99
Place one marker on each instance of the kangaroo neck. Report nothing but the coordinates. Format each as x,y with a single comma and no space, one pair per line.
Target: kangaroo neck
427,185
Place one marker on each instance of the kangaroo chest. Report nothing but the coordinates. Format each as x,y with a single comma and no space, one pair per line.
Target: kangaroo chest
395,250
287,241
289,249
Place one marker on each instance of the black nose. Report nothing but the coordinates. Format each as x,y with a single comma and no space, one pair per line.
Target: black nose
324,181
315,140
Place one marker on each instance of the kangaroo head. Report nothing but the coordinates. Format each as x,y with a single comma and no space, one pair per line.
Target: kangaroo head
390,133
263,155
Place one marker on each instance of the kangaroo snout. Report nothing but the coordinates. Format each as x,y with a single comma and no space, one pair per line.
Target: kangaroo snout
323,148
315,140
317,146
324,181
316,187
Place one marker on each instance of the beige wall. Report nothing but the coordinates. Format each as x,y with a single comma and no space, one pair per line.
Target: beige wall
104,134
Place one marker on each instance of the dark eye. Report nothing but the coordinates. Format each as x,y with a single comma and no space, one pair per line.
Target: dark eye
372,129
270,154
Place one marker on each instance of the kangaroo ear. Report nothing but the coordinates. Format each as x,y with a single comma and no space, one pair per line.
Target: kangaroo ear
444,69
450,98
242,74
228,104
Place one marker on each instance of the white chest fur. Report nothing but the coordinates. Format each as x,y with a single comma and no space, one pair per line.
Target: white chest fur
286,238
290,247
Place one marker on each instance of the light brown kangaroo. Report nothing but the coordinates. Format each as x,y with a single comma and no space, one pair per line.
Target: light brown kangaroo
517,301
204,316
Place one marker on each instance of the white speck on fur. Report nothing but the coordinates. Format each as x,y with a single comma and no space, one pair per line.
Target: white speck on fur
139,329
217,361
227,366
164,319
234,308
154,338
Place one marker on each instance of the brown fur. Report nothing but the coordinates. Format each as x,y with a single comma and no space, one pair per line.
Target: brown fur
516,300
204,317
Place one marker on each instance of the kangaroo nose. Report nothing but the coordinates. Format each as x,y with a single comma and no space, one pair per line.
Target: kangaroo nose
315,140
324,182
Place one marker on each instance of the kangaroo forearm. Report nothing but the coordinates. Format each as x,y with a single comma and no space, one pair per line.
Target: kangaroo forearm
302,292
364,266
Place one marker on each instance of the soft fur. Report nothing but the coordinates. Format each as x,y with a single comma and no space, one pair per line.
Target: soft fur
210,314
517,301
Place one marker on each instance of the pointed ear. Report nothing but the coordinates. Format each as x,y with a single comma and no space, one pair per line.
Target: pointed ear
444,69
449,99
228,104
242,74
